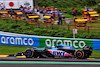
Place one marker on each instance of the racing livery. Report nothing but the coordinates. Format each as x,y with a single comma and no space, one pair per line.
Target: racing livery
60,51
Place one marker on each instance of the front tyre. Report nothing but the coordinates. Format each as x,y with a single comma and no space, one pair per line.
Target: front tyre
79,54
29,53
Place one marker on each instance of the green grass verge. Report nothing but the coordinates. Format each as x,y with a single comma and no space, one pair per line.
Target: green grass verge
22,27
6,49
95,54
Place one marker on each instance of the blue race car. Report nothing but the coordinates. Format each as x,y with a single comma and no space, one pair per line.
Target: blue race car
60,51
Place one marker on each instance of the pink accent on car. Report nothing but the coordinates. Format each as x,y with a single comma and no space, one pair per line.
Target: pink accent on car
68,55
60,53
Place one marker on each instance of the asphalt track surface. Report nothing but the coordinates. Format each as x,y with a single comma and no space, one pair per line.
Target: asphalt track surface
48,62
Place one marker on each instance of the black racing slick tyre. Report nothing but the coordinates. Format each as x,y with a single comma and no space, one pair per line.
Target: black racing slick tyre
29,53
79,54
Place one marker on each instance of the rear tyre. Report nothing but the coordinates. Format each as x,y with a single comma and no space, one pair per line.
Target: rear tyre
29,53
79,54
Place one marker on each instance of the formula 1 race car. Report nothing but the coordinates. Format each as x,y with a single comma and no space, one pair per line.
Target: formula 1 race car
61,50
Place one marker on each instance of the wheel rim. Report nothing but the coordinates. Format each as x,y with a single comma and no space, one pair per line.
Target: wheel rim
79,54
29,53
